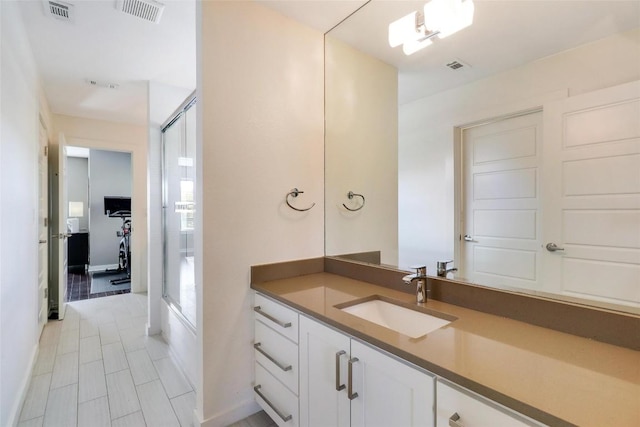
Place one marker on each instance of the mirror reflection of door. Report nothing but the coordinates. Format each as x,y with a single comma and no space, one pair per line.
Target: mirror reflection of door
592,195
560,217
501,168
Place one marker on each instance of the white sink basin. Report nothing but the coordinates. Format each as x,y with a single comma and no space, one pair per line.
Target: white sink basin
406,321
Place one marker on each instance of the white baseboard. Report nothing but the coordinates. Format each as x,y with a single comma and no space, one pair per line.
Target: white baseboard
93,268
231,416
24,388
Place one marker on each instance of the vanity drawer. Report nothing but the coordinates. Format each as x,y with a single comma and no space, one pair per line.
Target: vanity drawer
277,401
278,317
277,354
457,407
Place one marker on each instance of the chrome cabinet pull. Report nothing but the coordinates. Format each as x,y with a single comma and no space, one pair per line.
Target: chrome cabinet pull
258,310
285,418
350,394
338,385
453,420
552,247
258,346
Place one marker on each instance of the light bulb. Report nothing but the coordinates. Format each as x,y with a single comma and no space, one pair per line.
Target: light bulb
403,29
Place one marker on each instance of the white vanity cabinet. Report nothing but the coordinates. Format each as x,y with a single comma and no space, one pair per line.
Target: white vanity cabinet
346,383
458,407
276,368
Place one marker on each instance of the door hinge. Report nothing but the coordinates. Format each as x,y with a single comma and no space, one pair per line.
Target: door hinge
46,222
46,151
46,293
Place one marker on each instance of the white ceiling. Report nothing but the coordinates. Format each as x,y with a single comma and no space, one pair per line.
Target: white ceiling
106,45
505,34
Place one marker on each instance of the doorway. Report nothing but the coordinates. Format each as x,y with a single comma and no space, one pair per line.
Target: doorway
99,188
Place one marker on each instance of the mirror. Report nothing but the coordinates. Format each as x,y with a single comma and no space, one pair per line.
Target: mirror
397,125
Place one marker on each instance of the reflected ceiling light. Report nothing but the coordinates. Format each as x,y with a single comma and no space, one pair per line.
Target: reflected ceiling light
440,19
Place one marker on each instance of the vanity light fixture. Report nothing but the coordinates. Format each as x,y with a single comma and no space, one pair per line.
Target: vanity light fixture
439,19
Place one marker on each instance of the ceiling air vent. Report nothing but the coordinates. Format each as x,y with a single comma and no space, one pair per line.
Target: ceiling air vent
148,10
456,64
58,10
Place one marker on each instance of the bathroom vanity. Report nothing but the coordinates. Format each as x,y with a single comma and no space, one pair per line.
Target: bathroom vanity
319,365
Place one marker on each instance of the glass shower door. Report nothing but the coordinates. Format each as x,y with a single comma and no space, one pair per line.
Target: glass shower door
179,175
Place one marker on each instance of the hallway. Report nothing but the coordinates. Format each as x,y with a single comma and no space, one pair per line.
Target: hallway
97,368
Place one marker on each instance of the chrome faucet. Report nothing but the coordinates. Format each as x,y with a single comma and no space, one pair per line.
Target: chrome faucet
442,268
420,277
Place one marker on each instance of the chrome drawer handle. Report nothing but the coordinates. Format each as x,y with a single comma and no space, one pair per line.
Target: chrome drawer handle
338,385
350,394
258,346
453,420
258,310
285,418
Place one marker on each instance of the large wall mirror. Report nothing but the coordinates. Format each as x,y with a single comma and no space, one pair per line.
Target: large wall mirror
511,147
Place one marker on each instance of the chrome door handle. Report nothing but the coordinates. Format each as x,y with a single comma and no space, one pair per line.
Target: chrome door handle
350,394
468,238
258,346
258,310
338,385
453,420
285,418
552,247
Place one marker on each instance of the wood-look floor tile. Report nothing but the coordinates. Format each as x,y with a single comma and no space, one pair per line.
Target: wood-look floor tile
123,399
65,370
34,422
62,407
46,359
91,384
114,358
184,406
260,419
69,341
90,349
141,366
36,399
94,413
132,420
109,333
174,382
156,347
88,328
132,339
51,333
156,407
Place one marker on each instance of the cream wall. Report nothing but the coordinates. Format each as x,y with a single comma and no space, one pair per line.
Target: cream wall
426,132
105,135
361,116
21,102
260,106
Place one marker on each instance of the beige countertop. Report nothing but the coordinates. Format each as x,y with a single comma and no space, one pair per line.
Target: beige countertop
551,376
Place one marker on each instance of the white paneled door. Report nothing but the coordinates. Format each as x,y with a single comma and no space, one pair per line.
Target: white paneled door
592,195
63,211
43,230
501,240
557,210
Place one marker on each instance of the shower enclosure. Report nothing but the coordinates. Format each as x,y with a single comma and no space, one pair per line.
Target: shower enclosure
178,210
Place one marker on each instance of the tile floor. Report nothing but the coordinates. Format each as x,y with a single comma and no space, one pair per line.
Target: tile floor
79,287
98,368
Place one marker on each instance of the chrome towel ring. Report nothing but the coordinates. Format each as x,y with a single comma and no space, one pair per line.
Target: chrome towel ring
294,193
351,195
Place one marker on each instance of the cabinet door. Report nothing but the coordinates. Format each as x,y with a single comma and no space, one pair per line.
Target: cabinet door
471,411
390,393
321,349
